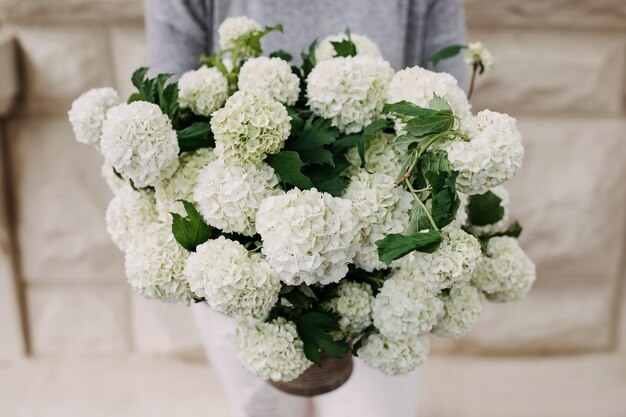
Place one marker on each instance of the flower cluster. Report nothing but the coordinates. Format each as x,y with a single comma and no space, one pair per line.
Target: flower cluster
271,350
250,126
203,90
477,54
128,214
462,306
350,91
353,303
325,50
231,280
394,357
381,155
272,76
308,236
89,111
233,28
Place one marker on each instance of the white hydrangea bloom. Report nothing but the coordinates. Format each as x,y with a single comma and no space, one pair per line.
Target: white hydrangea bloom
394,357
475,53
350,91
462,307
418,86
452,263
272,76
353,303
155,264
381,155
500,225
491,157
229,193
203,90
271,350
381,209
461,214
506,273
139,142
405,307
89,111
116,183
182,184
364,46
128,215
250,126
308,236
233,281
233,28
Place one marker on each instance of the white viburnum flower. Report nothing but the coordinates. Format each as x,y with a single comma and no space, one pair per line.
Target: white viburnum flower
203,90
492,156
506,273
381,208
128,215
232,281
500,225
250,126
229,193
272,76
462,307
353,303
155,264
182,184
476,53
364,46
381,155
350,91
308,236
88,113
139,142
271,350
418,86
235,27
405,307
452,263
394,357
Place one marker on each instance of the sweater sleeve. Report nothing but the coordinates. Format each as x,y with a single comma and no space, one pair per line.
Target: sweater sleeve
445,25
177,34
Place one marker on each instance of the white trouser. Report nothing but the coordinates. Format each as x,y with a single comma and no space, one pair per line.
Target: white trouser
368,393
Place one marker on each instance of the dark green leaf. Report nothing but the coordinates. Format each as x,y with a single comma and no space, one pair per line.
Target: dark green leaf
195,136
307,291
308,60
418,219
138,77
376,126
190,231
329,179
409,109
344,48
285,56
288,167
435,168
168,96
395,246
445,53
406,142
441,121
310,145
484,209
314,329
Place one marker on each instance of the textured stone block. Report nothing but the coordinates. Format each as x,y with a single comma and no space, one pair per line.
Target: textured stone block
163,329
61,200
570,198
551,73
70,10
8,68
60,63
128,44
78,319
566,14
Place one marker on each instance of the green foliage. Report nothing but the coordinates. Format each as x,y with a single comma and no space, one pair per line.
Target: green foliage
249,44
438,122
308,61
345,47
484,209
329,179
418,219
408,109
195,136
300,296
314,329
436,170
284,55
395,246
445,53
288,167
190,231
156,90
311,142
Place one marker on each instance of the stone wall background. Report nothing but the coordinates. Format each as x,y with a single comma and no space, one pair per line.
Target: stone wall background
560,70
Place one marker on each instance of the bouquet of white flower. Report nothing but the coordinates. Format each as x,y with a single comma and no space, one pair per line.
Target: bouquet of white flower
335,207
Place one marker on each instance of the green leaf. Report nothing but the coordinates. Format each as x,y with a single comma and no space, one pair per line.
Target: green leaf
190,231
436,169
195,136
406,142
409,109
297,122
307,291
438,103
167,95
445,53
314,329
514,230
330,179
418,219
285,56
484,209
344,48
308,60
288,167
395,246
138,77
310,145
441,121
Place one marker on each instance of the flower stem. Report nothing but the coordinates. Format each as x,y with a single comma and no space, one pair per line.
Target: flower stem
473,80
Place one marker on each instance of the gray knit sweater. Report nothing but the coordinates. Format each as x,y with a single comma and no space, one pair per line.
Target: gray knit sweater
408,32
